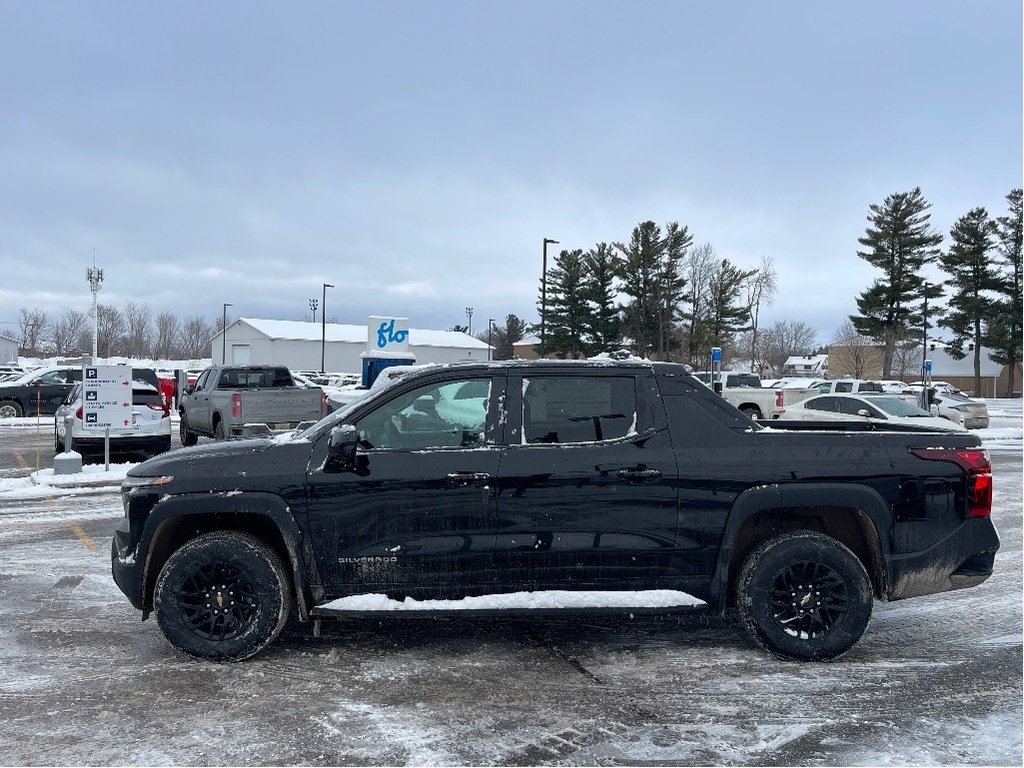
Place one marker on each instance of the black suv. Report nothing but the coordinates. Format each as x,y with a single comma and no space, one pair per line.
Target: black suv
38,392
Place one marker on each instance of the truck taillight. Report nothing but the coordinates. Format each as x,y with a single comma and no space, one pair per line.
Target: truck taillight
779,400
975,462
236,406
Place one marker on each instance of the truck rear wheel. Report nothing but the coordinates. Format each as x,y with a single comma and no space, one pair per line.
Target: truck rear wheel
803,595
223,596
187,436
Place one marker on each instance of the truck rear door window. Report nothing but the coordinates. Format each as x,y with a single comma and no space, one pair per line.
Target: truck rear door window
578,409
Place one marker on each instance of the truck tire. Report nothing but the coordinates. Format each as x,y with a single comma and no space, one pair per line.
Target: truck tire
187,436
803,595
223,596
752,411
9,409
218,429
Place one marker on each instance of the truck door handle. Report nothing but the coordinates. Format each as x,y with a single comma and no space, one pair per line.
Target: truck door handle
637,475
463,479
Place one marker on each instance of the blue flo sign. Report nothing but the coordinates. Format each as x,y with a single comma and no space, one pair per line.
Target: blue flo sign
386,335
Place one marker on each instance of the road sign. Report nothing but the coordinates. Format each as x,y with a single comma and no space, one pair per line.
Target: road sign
107,398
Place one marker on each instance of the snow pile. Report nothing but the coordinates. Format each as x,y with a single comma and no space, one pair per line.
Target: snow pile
43,482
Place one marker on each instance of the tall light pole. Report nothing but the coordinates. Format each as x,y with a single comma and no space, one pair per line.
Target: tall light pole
323,327
313,304
544,297
490,323
95,277
469,316
224,334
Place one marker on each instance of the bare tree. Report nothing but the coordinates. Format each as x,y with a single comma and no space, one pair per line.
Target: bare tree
700,267
33,324
138,341
195,337
857,353
110,331
784,339
760,288
168,329
69,332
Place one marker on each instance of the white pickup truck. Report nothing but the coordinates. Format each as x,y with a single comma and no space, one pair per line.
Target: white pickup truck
225,400
765,402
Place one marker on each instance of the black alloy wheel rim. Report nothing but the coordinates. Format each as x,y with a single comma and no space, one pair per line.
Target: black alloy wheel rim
808,599
219,601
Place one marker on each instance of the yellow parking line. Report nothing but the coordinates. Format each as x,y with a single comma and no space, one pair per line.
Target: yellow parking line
21,461
83,537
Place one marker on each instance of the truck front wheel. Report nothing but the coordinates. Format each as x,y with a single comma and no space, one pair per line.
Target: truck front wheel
223,596
803,595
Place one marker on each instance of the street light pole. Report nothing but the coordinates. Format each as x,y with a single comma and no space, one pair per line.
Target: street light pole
469,316
544,297
313,304
224,335
323,327
490,323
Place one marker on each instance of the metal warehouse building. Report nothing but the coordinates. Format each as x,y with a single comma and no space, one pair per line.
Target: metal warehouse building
298,345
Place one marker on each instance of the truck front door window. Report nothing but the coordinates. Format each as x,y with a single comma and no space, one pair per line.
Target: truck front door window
451,414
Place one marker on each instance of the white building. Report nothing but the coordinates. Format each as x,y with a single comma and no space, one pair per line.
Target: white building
810,366
298,345
8,349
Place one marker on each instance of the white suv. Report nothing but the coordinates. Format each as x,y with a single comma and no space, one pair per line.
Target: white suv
148,435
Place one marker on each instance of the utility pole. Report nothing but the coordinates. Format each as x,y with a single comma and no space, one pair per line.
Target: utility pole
95,277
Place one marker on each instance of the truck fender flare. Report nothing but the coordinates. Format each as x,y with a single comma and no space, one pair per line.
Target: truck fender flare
225,509
867,501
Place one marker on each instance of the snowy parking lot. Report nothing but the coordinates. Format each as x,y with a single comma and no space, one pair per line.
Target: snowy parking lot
935,680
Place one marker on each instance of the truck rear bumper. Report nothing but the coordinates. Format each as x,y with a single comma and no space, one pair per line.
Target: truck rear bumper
963,559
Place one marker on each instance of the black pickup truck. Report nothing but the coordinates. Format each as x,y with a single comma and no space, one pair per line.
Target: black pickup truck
478,479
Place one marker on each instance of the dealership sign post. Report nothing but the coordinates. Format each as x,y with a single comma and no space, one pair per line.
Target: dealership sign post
107,401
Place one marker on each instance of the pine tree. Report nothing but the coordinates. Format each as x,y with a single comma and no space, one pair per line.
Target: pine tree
901,244
602,325
1005,326
971,281
727,312
637,268
567,308
670,285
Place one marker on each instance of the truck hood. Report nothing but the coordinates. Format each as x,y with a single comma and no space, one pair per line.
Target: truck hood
195,460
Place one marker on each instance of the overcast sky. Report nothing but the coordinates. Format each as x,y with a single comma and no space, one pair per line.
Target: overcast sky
415,154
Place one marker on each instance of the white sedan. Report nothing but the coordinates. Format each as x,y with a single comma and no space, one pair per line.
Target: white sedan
874,408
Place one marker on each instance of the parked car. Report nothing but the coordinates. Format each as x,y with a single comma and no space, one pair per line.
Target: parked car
731,378
943,387
874,409
349,393
37,392
148,434
573,475
960,409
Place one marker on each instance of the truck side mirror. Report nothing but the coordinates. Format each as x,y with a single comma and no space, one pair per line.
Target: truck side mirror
341,446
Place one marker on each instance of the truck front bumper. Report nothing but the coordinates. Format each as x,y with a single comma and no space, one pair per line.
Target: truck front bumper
127,571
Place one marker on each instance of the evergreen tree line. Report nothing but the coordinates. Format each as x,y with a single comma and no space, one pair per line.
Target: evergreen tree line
978,297
680,300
